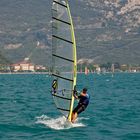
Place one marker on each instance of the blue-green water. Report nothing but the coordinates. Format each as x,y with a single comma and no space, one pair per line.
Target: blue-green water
27,111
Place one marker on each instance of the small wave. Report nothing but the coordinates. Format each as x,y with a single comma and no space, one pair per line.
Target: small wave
59,123
82,118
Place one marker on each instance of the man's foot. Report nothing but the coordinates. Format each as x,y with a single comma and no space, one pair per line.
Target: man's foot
73,121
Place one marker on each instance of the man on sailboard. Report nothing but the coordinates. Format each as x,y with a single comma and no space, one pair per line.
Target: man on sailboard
82,105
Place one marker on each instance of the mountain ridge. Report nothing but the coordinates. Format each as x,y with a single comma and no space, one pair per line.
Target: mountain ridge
106,31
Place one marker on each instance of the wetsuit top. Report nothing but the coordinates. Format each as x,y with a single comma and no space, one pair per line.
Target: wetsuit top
84,99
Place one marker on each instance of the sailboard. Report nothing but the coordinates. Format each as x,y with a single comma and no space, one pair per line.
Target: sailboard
64,59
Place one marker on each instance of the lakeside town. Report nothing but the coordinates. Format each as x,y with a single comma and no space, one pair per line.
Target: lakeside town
26,66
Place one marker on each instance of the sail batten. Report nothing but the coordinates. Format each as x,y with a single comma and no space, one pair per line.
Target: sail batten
63,109
64,66
55,36
61,20
62,77
63,58
61,97
60,3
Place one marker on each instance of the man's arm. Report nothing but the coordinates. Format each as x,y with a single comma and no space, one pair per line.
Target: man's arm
82,94
75,94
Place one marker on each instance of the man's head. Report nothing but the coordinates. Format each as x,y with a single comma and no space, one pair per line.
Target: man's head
84,90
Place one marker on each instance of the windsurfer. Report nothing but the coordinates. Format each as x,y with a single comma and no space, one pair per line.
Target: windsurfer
82,105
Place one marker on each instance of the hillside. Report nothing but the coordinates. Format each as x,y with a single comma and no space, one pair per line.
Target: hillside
106,30
109,31
22,25
3,60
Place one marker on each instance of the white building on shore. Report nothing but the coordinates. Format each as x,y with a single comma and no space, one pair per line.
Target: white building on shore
23,66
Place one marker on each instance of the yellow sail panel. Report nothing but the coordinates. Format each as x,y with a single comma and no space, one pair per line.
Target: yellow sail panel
63,57
75,62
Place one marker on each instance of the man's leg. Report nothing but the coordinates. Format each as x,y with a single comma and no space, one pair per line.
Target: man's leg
74,116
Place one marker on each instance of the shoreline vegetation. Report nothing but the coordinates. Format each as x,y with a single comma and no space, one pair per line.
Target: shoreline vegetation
48,73
25,73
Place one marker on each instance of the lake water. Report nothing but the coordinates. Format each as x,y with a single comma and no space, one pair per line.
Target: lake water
27,110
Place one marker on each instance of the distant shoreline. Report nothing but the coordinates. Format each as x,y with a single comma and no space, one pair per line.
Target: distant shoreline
47,73
26,73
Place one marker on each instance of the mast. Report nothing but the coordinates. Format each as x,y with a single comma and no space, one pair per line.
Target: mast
75,62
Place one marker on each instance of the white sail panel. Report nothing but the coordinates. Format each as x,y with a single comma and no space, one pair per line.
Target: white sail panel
63,56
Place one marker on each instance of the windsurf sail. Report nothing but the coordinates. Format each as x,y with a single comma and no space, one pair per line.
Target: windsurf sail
112,69
64,60
86,70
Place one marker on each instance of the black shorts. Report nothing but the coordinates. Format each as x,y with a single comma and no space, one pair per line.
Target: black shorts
79,108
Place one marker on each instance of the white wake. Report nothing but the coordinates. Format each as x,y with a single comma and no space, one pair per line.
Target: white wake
59,123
